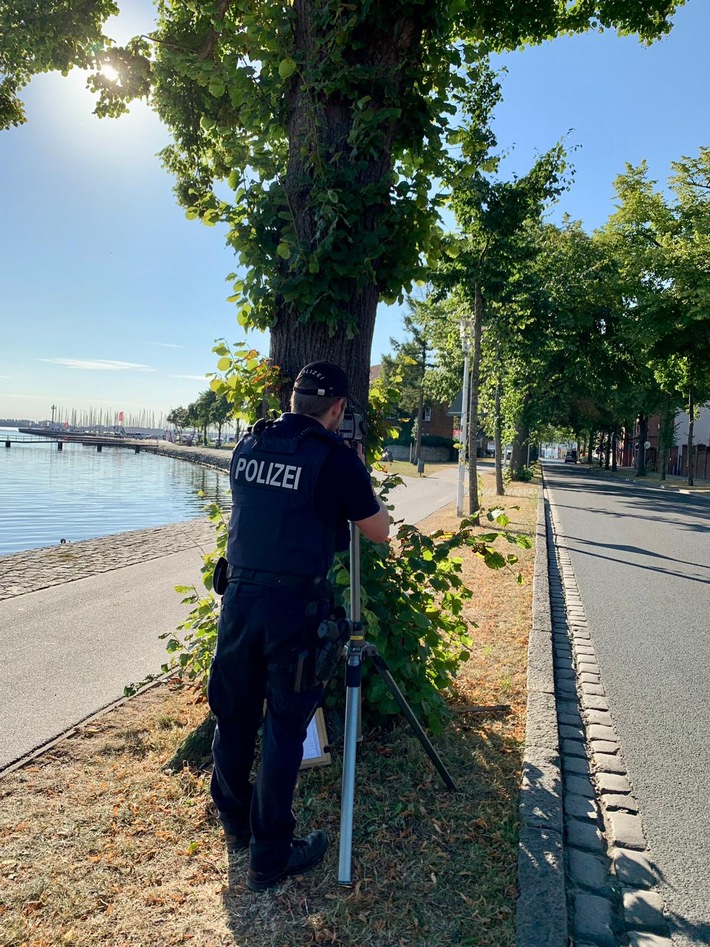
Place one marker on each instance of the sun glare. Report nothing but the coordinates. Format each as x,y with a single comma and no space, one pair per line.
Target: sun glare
110,73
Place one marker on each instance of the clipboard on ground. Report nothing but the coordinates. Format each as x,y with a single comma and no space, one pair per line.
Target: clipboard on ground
315,746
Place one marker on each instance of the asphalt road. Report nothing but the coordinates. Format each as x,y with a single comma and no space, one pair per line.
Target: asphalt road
69,650
641,557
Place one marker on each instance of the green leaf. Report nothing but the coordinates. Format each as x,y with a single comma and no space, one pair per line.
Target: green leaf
283,250
224,364
287,67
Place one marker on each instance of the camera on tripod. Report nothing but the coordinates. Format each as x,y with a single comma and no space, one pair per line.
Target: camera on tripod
353,427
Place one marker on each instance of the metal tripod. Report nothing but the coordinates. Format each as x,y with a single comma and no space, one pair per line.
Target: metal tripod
356,650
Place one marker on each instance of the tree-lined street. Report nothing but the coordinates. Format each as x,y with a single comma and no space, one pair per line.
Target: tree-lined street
641,557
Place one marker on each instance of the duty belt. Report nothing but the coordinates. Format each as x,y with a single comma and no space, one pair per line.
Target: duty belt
295,583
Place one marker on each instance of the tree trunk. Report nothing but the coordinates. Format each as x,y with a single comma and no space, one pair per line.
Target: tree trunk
292,347
500,488
518,452
320,127
590,452
474,502
614,437
691,432
666,434
641,452
607,451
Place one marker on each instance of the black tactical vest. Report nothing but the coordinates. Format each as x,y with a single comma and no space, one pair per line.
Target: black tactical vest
274,526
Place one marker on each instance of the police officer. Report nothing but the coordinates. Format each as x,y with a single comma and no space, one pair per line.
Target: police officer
295,484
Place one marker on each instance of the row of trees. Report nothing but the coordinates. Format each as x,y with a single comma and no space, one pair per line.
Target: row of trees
587,333
209,410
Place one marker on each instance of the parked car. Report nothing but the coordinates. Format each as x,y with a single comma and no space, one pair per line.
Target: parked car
571,457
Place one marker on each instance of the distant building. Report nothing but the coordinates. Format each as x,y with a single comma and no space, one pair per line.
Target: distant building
678,456
436,422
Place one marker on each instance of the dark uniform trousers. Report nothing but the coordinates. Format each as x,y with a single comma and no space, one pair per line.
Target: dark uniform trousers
261,633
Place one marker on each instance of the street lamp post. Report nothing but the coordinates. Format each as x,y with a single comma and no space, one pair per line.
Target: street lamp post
463,437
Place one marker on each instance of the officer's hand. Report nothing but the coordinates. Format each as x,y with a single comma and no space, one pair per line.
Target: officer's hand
360,452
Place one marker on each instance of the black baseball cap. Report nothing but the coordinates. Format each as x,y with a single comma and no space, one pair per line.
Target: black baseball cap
322,378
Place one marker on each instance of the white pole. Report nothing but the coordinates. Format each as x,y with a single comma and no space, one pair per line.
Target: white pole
463,439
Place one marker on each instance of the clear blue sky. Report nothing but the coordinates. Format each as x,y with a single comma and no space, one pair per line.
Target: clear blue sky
110,297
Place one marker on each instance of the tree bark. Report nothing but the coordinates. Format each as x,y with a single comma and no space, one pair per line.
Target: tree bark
500,488
518,451
590,451
691,432
641,451
474,502
614,437
319,127
292,348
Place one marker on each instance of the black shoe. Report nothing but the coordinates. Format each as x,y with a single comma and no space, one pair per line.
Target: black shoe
305,854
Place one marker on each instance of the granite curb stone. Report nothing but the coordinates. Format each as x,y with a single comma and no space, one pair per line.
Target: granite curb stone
626,829
633,869
644,939
593,919
643,911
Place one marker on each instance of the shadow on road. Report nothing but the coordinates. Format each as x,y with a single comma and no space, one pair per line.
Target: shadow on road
637,565
641,501
640,551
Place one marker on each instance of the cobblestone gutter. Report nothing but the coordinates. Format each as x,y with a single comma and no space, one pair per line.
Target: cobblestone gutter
585,875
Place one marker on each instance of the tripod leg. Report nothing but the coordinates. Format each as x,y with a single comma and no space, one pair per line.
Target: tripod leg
352,707
394,690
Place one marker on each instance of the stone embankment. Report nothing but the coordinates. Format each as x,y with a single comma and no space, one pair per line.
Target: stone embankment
35,569
207,456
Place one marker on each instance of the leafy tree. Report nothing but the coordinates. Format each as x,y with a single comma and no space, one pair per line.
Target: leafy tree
178,417
662,246
486,259
582,366
410,364
220,413
326,120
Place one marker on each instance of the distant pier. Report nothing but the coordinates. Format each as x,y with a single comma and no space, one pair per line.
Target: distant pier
41,436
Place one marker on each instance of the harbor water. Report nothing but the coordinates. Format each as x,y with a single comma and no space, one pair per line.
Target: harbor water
47,495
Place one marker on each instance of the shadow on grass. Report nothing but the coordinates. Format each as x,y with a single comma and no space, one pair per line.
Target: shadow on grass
430,868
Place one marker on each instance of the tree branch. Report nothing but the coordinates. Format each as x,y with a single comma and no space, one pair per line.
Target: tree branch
213,35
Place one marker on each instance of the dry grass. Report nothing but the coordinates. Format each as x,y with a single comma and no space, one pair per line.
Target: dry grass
100,847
